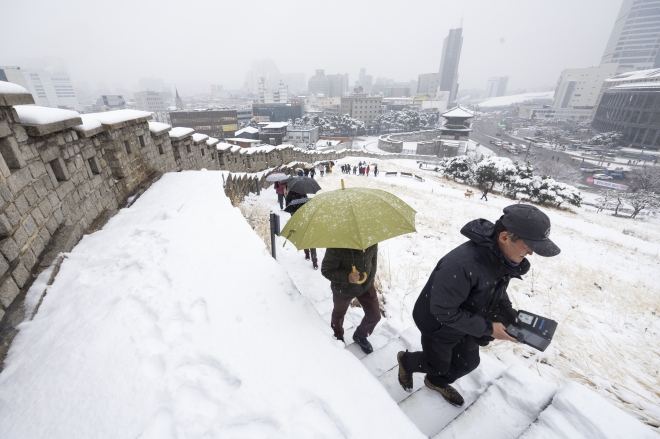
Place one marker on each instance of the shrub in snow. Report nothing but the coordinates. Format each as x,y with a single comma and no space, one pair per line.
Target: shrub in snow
406,120
493,169
459,167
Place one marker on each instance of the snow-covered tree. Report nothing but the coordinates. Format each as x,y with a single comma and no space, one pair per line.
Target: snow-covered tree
558,171
493,169
520,182
645,178
406,120
640,200
610,199
611,138
459,167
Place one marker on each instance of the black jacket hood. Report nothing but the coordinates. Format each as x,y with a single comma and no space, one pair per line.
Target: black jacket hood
482,233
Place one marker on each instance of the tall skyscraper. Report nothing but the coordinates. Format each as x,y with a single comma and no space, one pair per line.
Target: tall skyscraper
496,86
451,55
49,89
635,38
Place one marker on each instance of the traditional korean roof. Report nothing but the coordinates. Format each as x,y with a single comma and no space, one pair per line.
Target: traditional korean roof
458,111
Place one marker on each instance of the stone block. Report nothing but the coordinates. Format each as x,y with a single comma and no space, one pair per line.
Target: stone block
11,99
9,249
12,215
37,169
60,169
5,226
39,187
88,153
31,195
4,169
8,292
11,153
4,129
22,204
54,199
38,245
44,234
49,153
45,207
29,259
52,225
30,225
21,237
4,267
38,216
19,179
20,274
20,134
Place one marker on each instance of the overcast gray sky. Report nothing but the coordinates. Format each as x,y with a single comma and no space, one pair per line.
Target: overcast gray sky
194,43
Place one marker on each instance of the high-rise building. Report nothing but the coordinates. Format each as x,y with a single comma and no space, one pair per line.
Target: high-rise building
362,107
428,83
496,86
278,96
635,38
177,101
150,101
578,90
335,85
451,55
318,84
220,124
49,89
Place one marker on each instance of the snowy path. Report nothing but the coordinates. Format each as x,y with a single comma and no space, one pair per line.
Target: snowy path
504,399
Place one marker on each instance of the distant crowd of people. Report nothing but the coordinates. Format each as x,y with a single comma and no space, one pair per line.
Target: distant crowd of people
362,168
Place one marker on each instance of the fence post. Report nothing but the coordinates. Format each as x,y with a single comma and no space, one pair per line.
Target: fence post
274,231
256,183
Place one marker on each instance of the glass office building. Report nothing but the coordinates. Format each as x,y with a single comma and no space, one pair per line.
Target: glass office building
220,124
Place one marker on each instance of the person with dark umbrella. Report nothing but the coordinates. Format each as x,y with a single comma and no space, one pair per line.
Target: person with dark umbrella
290,197
465,304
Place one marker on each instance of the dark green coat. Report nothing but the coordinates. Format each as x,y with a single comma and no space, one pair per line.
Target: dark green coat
337,264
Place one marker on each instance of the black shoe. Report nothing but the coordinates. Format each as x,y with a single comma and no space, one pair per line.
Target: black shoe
405,378
340,339
449,393
364,344
316,265
306,256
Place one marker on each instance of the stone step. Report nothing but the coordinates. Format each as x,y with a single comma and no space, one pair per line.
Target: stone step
429,411
509,406
390,382
384,359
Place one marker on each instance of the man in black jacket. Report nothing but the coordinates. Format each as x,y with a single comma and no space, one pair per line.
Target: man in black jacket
464,303
337,268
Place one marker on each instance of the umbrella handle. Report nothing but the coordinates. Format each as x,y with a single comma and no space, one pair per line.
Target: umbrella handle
364,276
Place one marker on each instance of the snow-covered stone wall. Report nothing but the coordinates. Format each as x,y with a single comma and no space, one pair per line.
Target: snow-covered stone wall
61,173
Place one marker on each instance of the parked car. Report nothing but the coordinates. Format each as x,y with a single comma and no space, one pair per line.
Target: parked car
602,176
498,134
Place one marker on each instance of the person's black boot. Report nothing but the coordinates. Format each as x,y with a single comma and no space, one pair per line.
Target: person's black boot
364,344
405,378
306,255
449,393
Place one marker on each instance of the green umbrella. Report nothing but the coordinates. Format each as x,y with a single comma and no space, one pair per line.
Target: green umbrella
349,218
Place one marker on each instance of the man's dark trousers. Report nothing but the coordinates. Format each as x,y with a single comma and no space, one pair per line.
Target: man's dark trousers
443,363
369,302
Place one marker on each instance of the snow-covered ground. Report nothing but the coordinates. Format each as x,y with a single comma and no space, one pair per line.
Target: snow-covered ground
505,101
175,322
603,288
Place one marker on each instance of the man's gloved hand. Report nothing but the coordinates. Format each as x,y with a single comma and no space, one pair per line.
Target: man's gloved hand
506,316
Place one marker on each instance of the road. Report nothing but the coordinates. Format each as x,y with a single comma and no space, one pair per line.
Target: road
486,129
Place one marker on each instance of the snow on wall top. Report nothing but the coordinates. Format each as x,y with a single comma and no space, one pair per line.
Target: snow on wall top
177,360
179,132
35,115
198,137
119,116
158,127
212,141
11,88
222,146
88,124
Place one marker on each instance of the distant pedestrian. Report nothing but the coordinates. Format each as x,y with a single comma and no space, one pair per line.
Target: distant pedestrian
306,172
308,251
355,170
368,169
376,170
300,173
280,188
484,196
322,169
312,172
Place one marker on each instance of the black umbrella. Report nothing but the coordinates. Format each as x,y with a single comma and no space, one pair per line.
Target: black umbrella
302,185
295,205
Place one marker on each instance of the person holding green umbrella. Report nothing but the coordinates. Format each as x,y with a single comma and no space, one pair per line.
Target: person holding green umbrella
338,267
350,223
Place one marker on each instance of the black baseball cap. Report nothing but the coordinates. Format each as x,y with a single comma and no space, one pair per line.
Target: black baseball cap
532,225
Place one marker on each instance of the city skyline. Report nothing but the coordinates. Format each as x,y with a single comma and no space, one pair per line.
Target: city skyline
506,38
